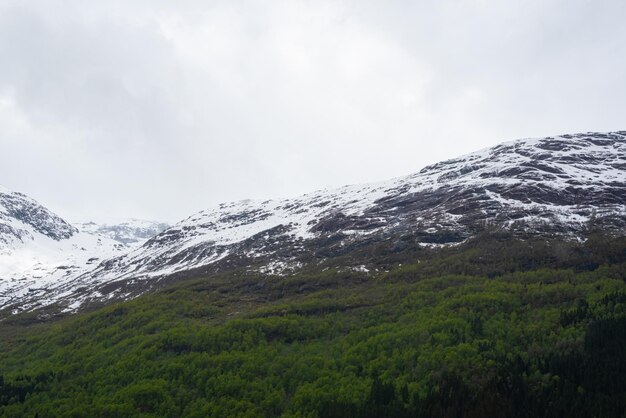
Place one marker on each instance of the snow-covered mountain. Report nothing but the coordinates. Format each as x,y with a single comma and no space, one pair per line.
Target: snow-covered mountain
40,250
549,186
126,231
21,219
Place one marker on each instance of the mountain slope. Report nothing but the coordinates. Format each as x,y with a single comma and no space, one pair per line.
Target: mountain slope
40,250
549,186
489,328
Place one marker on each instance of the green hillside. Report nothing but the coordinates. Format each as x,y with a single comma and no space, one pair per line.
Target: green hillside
496,327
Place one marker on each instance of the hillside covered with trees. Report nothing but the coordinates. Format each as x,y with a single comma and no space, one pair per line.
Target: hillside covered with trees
495,327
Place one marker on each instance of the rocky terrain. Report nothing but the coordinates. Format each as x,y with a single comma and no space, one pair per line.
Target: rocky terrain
554,186
39,250
126,231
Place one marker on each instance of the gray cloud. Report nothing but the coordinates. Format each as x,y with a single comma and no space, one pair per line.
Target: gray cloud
158,109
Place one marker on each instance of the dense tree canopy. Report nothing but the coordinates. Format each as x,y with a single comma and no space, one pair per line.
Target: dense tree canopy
518,328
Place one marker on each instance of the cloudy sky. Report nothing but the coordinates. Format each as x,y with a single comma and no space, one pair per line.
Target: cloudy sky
157,109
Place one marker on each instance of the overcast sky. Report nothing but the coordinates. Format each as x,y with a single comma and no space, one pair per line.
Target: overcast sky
157,109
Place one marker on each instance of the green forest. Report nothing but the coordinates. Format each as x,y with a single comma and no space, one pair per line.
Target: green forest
495,327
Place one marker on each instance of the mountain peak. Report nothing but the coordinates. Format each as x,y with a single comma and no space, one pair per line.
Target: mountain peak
21,217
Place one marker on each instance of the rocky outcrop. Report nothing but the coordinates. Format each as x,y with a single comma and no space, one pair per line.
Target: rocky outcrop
19,213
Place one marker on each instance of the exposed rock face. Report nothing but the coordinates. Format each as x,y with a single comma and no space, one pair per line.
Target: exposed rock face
21,215
549,186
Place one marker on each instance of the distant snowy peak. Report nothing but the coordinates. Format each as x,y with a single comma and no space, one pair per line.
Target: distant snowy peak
22,218
127,231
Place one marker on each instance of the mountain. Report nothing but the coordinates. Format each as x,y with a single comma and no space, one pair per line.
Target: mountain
126,231
22,218
494,327
553,186
39,249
